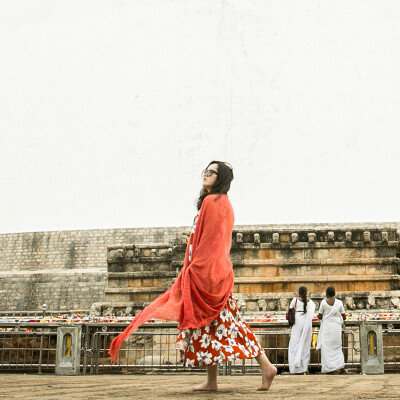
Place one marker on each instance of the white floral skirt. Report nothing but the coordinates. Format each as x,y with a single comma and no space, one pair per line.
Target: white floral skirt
227,338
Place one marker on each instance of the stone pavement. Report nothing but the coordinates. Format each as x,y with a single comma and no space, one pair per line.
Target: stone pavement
178,386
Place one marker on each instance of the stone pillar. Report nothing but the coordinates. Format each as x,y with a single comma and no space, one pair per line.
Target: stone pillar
371,349
68,352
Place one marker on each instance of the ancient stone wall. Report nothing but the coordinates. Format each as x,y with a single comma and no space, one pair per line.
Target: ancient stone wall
360,260
65,269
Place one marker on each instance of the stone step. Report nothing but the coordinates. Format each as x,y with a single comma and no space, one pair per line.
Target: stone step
351,271
292,261
141,274
313,278
140,267
315,284
152,289
140,282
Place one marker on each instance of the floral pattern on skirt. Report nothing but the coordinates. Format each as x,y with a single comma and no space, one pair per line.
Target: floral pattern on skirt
227,338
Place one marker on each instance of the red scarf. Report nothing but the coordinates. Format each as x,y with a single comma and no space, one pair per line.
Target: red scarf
202,288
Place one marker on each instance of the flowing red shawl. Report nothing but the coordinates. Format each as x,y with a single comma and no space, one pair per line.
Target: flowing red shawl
203,286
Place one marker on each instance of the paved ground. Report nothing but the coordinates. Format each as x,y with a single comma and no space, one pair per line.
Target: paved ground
90,387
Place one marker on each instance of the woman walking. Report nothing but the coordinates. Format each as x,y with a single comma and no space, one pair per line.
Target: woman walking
301,333
332,314
201,300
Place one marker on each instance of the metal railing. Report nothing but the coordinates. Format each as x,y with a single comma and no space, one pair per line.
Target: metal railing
26,349
32,347
391,347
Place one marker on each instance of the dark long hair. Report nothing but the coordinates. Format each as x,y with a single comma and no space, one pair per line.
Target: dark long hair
303,295
221,185
330,291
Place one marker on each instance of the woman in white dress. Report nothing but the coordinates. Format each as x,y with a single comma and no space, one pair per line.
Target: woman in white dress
332,315
301,334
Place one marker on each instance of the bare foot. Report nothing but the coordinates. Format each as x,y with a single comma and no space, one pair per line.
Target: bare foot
267,377
206,387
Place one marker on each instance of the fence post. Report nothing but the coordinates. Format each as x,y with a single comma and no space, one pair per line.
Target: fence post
371,349
68,352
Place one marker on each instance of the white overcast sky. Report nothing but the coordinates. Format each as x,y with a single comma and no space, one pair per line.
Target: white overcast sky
109,110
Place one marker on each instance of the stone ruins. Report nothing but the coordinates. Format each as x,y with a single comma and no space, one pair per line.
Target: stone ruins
122,270
360,260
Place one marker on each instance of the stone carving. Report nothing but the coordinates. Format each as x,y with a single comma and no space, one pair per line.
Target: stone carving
396,302
349,303
264,273
129,310
242,305
108,311
184,239
129,253
383,303
284,303
371,302
95,309
360,304
262,305
119,253
311,237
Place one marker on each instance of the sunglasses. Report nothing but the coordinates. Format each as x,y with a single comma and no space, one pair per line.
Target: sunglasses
209,172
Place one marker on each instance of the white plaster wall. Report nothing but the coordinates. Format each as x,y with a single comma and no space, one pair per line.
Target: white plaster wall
109,110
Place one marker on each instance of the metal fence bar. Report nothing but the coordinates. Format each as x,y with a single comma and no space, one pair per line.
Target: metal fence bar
152,348
391,349
20,349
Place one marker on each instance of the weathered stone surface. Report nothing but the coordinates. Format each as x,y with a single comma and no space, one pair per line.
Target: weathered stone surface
361,262
69,269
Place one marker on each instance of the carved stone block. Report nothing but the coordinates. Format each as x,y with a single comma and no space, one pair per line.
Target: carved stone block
331,236
360,304
311,237
239,238
129,254
275,238
367,236
262,305
348,237
396,302
295,237
119,253
257,238
370,302
349,303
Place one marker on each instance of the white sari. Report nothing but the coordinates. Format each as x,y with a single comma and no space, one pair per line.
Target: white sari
300,337
330,336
